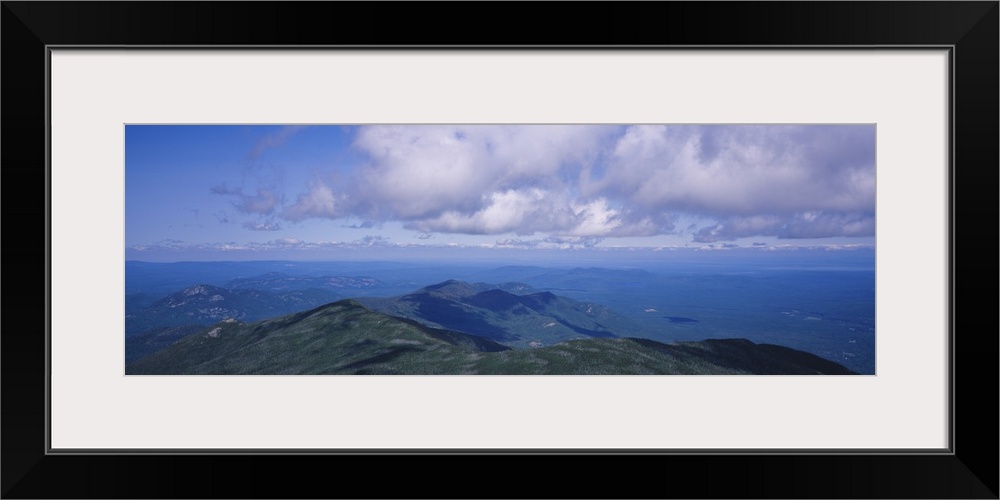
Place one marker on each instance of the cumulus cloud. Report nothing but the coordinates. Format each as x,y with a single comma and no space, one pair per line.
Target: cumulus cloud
318,202
527,211
518,211
418,172
607,181
743,170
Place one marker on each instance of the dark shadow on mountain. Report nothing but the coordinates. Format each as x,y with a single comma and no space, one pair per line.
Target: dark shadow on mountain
381,358
584,331
452,316
742,354
538,301
495,300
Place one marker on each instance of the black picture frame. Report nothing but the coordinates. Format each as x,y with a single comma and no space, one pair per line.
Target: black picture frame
969,28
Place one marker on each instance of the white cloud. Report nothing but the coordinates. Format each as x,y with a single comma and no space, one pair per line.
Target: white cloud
595,218
522,212
598,181
420,172
527,211
318,202
743,170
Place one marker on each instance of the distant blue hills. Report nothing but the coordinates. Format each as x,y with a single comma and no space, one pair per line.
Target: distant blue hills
513,313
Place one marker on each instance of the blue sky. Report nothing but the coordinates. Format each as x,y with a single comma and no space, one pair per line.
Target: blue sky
244,192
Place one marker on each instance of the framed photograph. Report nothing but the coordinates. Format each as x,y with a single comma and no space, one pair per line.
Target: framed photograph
658,252
517,249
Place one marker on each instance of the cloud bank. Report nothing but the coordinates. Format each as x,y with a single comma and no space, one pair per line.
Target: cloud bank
587,181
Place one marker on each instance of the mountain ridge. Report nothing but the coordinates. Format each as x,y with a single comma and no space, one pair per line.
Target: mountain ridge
205,304
527,319
345,337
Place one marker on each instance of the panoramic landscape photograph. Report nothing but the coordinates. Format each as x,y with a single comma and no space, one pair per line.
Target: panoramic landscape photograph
480,249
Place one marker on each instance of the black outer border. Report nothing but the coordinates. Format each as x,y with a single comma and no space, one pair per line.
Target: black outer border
970,27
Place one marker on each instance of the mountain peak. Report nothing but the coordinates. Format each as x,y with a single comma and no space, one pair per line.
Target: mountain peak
340,337
453,288
348,303
444,284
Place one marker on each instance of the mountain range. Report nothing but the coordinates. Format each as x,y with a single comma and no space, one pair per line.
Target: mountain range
513,314
345,337
207,304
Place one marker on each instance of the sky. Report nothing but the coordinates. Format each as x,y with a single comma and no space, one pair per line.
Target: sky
247,192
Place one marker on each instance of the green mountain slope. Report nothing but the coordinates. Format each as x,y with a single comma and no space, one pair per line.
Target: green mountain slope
346,338
342,337
633,356
150,341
